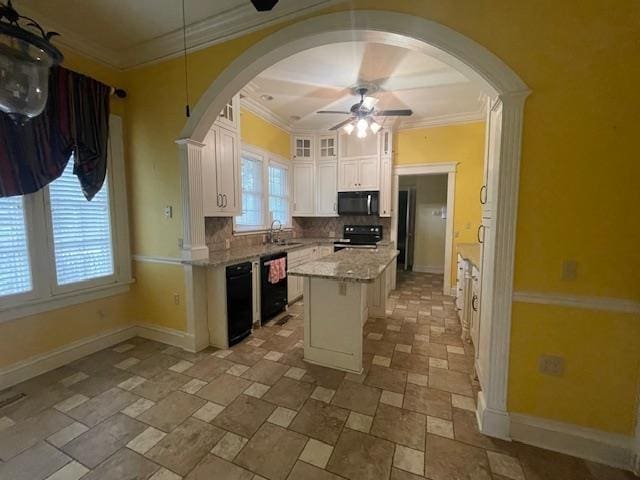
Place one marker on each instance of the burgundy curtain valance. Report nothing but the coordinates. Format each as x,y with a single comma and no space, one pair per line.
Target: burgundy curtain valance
75,121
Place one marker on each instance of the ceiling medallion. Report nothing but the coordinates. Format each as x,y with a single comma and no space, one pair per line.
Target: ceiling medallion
26,55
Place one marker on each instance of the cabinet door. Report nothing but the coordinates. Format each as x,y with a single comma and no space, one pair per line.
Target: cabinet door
327,147
385,143
229,115
327,184
303,189
302,148
385,187
492,155
228,171
475,307
212,202
348,175
368,174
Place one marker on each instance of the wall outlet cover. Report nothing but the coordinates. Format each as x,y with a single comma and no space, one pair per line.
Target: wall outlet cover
569,270
551,365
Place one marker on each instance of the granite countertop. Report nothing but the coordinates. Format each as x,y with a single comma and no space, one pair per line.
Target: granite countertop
244,254
471,252
349,265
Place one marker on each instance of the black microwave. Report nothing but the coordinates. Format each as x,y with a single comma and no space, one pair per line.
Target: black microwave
358,203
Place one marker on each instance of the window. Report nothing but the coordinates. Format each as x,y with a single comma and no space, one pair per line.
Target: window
278,194
82,240
15,266
58,249
265,190
252,208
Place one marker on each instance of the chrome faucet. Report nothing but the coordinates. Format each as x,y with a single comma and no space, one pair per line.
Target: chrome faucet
275,238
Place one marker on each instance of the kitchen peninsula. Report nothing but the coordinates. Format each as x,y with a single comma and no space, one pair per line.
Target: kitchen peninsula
341,291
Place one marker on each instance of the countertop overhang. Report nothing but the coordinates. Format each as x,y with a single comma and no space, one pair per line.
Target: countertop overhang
349,265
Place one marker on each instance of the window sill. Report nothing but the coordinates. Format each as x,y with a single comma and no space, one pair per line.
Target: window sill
42,305
257,231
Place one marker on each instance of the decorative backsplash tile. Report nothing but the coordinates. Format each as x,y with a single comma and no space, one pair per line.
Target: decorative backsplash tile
220,229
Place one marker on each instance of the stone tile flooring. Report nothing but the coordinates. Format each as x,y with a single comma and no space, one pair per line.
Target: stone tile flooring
144,410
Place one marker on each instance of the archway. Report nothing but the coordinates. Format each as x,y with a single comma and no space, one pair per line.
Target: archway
440,42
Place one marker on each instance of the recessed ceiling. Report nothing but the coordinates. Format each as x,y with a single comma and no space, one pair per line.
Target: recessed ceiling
126,33
322,78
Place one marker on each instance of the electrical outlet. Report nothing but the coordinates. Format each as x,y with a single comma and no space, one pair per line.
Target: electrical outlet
227,243
569,270
180,243
342,289
176,298
467,226
551,365
168,211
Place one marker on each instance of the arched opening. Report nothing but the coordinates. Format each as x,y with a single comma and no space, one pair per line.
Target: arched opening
452,48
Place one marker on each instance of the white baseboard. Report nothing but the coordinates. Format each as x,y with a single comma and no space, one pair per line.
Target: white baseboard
39,364
428,269
609,448
492,422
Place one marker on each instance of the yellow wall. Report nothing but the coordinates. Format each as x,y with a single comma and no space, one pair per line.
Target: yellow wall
602,360
259,132
462,143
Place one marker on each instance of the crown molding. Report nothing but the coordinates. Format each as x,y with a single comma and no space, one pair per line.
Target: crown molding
263,112
452,119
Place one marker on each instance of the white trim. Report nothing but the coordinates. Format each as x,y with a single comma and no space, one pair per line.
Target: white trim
635,467
448,168
42,363
152,259
443,120
590,444
265,114
472,60
492,422
427,269
578,301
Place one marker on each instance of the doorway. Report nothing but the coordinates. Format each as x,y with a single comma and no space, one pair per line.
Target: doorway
406,227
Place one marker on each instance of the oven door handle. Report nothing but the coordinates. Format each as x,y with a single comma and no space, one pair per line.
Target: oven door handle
369,204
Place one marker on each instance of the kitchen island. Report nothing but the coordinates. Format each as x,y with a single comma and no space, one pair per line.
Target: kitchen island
340,292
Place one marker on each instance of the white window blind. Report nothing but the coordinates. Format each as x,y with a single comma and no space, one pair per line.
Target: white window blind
278,194
15,269
252,206
82,240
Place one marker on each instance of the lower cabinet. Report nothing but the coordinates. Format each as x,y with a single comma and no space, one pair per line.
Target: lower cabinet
475,306
295,284
468,300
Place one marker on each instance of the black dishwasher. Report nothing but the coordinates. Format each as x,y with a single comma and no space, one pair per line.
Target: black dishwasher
239,302
273,296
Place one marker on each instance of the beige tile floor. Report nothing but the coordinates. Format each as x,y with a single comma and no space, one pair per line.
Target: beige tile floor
144,410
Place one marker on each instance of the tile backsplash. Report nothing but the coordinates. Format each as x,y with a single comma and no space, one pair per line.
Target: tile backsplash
220,229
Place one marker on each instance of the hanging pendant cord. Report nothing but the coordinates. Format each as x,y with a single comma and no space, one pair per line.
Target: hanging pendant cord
186,72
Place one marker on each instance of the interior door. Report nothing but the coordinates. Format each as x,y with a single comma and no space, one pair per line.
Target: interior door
411,228
228,171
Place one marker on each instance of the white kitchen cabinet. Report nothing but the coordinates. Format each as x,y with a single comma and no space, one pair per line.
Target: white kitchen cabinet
358,174
327,189
230,115
385,187
303,189
303,147
386,145
221,173
493,137
295,284
475,307
327,148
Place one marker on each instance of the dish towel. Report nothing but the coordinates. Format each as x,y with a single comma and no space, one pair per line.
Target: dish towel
277,270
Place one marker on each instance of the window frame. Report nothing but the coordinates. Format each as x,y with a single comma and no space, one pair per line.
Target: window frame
268,159
264,165
46,294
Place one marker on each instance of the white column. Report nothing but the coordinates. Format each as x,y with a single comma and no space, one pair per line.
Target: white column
193,243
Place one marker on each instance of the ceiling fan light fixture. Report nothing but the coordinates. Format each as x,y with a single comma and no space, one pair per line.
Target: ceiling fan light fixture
348,128
362,133
375,127
362,125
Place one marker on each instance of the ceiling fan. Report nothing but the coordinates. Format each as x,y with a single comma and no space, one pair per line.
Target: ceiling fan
264,5
362,114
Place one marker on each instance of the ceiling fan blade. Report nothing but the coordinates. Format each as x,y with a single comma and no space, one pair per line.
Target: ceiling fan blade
342,124
334,111
393,113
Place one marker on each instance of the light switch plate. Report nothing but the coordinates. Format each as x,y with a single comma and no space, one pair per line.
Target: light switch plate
569,270
551,365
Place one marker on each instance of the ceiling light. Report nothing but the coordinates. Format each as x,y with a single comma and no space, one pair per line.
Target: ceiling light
375,127
266,97
362,133
362,125
295,118
25,59
348,128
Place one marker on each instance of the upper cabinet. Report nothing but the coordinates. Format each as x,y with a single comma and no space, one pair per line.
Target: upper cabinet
385,187
230,115
303,189
358,163
492,154
327,189
327,147
221,165
386,143
303,147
